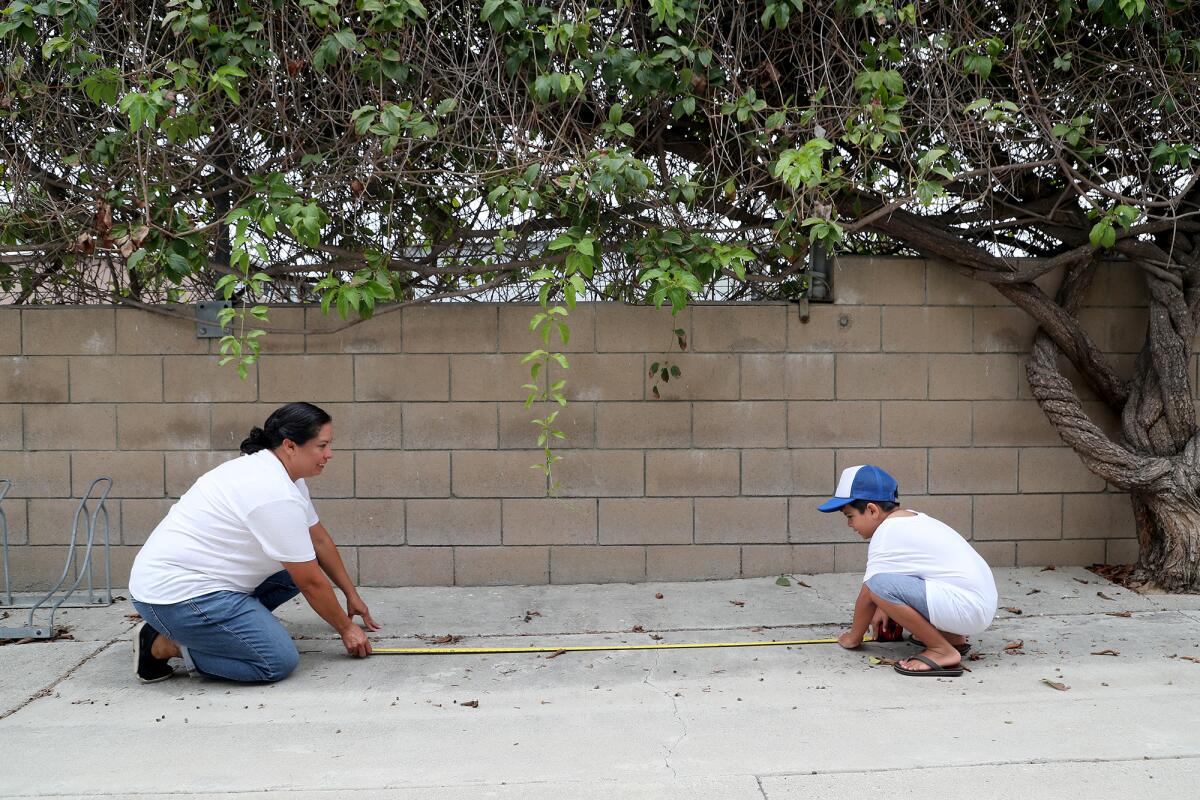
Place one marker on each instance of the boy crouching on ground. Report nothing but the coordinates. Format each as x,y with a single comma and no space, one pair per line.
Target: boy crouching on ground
921,574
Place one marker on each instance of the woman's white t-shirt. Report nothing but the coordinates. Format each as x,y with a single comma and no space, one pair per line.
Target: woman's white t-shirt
229,532
959,586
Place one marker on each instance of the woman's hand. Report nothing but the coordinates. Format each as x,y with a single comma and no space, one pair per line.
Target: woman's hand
356,641
355,607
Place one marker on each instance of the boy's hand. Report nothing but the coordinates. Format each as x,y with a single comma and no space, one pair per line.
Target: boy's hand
849,641
879,622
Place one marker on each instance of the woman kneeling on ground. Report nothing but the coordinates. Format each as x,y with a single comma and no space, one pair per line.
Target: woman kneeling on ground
241,542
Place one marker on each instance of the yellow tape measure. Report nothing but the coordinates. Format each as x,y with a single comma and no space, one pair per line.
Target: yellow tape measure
430,651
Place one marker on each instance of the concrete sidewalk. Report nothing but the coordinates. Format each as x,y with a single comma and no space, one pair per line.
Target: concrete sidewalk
735,723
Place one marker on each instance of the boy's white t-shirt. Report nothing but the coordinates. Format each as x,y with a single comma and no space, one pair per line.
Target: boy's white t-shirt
229,532
959,586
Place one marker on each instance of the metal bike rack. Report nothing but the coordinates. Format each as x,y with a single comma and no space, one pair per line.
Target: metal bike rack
78,568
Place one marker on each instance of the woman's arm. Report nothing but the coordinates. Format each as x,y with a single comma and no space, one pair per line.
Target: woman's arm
331,562
319,594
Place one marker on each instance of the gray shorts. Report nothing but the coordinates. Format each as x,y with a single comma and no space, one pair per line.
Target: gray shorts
906,590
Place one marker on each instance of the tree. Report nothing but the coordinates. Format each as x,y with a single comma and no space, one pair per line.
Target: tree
401,151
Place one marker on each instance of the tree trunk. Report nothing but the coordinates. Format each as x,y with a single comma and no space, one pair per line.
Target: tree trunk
1167,525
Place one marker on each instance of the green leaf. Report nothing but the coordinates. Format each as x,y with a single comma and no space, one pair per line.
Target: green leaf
782,581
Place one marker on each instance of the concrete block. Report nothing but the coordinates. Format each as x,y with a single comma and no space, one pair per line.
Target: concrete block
833,424
702,377
997,554
598,564
516,337
708,562
337,479
450,328
36,474
926,329
974,377
1002,330
859,280
850,557
283,318
836,329
983,470
402,377
741,520
231,423
954,510
925,423
402,474
871,376
739,328
601,473
643,424
70,427
1106,515
148,333
1121,551
765,560
791,376
501,566
118,379
1116,330
908,465
611,377
139,518
379,334
366,426
70,330
436,426
37,569
134,474
173,426
549,520
640,520
1055,469
11,433
1069,552
787,472
947,287
1018,516
202,379
576,421
17,515
491,473
51,520
692,473
10,331
748,423
33,380
491,377
1117,283
315,379
806,525
359,521
406,566
185,466
1012,423
454,521
624,328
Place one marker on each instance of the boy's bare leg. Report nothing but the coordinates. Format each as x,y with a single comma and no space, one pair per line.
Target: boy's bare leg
937,647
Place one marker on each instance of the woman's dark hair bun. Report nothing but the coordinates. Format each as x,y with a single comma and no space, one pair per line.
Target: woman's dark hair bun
299,422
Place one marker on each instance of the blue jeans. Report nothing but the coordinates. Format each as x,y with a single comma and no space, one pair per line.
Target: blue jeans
231,635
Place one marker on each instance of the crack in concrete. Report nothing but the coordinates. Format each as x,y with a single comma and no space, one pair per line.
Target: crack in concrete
45,691
670,749
761,789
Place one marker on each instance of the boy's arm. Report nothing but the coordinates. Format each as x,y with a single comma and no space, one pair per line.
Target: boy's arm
864,612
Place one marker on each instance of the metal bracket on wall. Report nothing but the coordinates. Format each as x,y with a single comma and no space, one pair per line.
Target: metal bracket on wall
208,325
78,568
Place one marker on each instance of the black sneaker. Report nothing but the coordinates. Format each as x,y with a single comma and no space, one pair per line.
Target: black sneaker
148,668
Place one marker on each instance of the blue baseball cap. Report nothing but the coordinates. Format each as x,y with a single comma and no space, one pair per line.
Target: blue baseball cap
864,482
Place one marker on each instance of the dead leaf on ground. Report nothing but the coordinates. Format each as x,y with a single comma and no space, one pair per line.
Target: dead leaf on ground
1103,596
134,615
556,654
876,661
637,629
1048,568
1033,591
449,638
655,637
658,596
1017,645
529,615
1119,613
738,603
470,703
1062,687
802,583
1108,651
1193,659
1080,580
974,656
1013,610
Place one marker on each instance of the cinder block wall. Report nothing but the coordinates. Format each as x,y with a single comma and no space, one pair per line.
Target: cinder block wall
914,368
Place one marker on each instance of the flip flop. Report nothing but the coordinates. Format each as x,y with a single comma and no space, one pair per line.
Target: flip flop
962,649
935,669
